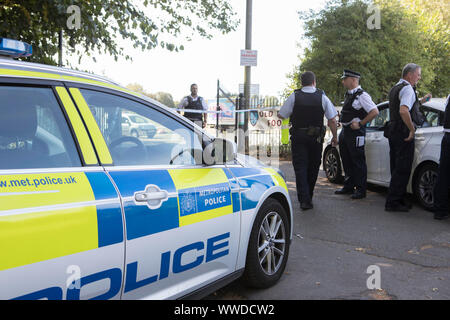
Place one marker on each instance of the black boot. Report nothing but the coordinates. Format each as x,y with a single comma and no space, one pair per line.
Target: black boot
344,191
358,194
306,206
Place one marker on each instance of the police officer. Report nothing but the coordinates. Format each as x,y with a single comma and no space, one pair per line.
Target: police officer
441,205
357,111
400,132
306,109
194,102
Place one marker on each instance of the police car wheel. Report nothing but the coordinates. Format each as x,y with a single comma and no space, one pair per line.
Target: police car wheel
268,247
332,166
135,134
424,185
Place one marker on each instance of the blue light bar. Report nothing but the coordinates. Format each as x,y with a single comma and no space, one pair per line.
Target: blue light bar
14,48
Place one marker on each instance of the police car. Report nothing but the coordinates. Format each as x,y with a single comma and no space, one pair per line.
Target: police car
87,212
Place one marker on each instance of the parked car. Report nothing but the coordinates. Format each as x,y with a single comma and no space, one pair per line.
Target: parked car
136,126
426,158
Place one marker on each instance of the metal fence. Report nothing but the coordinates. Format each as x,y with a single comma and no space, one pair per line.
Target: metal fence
265,136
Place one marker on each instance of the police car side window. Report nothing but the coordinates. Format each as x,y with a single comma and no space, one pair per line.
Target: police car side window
33,130
137,134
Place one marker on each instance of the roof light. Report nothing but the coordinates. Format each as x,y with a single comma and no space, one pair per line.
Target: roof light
14,48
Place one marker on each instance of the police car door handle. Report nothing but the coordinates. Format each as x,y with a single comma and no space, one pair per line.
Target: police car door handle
150,196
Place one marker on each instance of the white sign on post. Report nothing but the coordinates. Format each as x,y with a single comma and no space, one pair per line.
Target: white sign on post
254,89
249,58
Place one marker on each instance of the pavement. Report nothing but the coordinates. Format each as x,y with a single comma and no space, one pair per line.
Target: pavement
335,243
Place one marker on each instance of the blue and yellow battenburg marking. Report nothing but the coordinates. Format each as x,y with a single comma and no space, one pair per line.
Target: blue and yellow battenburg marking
255,182
203,194
59,216
188,190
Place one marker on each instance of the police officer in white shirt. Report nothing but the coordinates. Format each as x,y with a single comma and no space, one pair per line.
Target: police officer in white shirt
194,102
441,201
306,109
400,132
357,112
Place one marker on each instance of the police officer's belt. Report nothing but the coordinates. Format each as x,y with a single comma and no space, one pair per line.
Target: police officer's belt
310,131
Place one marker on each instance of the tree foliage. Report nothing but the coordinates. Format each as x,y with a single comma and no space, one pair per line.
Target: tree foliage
105,23
163,97
337,37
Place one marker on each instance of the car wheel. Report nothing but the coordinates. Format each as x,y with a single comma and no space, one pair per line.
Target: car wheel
268,247
134,133
424,185
332,166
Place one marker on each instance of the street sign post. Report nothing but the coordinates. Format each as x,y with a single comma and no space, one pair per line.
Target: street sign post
249,58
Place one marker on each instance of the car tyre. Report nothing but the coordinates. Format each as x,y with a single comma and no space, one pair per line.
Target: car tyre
332,166
134,133
268,248
423,185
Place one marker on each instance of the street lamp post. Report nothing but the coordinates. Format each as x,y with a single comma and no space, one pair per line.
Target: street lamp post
247,76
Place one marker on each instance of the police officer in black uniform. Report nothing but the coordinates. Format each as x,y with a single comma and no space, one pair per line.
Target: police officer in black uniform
401,131
306,109
194,102
441,201
358,110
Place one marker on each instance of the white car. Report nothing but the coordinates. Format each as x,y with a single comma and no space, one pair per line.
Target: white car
137,126
426,158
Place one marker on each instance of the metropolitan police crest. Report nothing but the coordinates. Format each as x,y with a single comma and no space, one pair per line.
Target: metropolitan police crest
187,203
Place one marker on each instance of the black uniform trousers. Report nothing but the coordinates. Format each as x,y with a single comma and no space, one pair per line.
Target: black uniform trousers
441,200
306,159
401,158
353,158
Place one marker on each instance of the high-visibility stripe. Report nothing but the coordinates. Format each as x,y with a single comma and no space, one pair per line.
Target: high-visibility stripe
203,194
28,74
97,137
43,189
285,131
27,238
142,221
34,237
49,215
85,144
277,179
59,77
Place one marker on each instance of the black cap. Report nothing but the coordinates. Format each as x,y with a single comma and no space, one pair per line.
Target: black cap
350,73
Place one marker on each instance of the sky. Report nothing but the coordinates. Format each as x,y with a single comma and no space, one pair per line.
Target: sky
277,31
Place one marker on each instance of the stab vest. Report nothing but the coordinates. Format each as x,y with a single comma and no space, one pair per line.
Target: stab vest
308,110
194,105
349,113
394,102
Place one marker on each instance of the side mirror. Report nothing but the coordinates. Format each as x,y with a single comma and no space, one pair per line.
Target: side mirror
220,151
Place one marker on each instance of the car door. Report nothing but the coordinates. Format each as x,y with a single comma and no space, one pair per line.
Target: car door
379,147
182,225
61,228
431,127
371,155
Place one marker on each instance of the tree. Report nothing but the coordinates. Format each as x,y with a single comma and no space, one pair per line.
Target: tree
433,18
163,97
145,24
337,37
